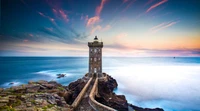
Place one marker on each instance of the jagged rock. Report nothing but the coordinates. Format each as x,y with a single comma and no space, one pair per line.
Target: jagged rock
55,84
28,104
32,88
1,89
18,89
67,96
3,104
42,82
118,102
4,100
51,99
107,97
53,91
42,87
31,82
60,75
30,109
49,86
38,101
145,109
75,88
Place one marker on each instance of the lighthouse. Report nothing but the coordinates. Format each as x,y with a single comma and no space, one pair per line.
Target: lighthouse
95,57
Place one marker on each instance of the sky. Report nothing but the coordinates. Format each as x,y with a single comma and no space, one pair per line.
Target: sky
128,28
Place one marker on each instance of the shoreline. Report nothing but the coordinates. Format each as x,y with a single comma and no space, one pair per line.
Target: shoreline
65,94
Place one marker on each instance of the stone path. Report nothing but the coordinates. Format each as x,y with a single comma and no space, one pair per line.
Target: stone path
84,104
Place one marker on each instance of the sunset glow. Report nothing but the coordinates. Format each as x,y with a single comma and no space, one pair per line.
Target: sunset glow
127,27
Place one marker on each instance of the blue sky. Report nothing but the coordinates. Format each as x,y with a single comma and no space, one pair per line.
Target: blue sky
127,27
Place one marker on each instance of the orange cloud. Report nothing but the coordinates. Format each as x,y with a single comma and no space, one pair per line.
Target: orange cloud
93,20
156,5
100,7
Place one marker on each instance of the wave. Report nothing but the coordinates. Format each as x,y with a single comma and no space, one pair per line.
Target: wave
11,83
52,75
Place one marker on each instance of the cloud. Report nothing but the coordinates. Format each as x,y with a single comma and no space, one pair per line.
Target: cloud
93,21
61,14
85,18
156,5
49,31
162,26
131,3
70,36
25,40
124,1
31,35
99,28
94,29
149,2
51,19
100,7
41,14
64,15
107,27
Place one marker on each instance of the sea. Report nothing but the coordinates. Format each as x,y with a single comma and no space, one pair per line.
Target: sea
166,82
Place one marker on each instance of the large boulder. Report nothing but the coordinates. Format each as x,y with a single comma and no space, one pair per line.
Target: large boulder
75,88
107,97
1,89
32,88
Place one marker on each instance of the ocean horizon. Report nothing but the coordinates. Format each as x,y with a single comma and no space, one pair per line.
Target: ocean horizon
166,82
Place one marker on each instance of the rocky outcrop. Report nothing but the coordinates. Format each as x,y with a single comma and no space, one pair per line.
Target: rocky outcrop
108,97
43,95
74,88
40,95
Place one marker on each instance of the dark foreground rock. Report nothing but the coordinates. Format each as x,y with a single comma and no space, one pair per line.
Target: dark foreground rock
39,96
144,109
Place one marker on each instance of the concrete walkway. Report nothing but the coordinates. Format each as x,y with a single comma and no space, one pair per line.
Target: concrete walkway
84,104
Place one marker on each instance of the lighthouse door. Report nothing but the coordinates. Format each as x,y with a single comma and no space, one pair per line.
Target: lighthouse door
95,70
